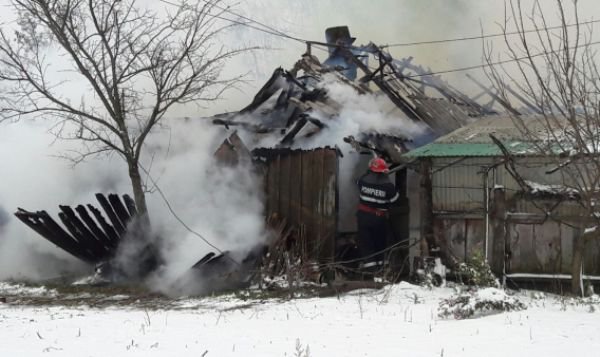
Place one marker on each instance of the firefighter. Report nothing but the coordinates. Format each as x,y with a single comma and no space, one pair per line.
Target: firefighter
376,192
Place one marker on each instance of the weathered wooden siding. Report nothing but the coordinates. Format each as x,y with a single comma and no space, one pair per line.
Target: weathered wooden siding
459,237
301,186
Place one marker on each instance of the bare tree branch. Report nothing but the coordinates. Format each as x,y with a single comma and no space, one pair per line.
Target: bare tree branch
135,66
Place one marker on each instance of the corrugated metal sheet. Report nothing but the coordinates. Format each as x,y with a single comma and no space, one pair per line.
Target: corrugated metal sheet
458,186
467,150
455,150
301,186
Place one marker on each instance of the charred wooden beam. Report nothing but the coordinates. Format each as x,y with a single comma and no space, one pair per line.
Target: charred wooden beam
82,242
533,107
502,102
110,231
90,240
110,212
120,209
130,203
93,227
45,226
289,137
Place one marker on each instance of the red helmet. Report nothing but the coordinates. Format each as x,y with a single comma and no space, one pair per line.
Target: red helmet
378,165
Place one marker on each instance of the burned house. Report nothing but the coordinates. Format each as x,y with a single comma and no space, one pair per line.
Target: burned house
466,200
293,132
310,169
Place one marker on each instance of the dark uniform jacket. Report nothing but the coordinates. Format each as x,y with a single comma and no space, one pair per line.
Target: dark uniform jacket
376,190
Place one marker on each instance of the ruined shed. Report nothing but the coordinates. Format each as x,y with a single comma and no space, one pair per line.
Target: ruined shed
302,187
469,202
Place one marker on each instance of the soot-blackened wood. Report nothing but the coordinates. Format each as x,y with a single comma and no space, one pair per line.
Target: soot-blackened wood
202,261
120,209
111,233
98,233
67,242
130,203
78,237
33,221
112,216
86,237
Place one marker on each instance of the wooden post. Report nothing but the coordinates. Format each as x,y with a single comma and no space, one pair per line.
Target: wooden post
498,223
426,197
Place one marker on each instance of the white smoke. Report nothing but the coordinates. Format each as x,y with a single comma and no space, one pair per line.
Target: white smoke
222,204
33,177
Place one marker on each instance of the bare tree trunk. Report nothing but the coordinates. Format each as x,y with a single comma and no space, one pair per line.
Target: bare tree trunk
138,190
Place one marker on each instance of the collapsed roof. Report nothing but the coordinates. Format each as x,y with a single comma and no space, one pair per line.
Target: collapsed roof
295,103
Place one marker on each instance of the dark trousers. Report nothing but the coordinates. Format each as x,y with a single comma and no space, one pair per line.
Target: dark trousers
372,236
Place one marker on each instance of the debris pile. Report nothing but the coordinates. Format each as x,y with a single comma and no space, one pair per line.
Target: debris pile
93,241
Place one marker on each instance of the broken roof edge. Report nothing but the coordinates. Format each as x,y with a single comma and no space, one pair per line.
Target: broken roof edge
265,152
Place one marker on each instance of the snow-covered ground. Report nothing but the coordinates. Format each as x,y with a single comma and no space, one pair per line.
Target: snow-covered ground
399,320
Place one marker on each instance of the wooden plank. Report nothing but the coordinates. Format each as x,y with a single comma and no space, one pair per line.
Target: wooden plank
93,227
284,186
451,235
329,204
526,249
269,189
130,203
119,209
112,216
83,234
546,241
45,226
295,207
513,245
475,232
79,238
277,185
566,248
318,192
110,231
307,197
591,261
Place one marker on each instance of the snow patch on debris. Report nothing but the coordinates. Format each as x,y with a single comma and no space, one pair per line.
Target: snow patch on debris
590,230
479,303
12,289
539,188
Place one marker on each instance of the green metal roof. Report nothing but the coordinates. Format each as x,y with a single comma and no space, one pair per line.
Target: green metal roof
455,149
463,149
